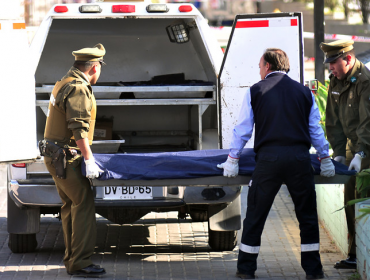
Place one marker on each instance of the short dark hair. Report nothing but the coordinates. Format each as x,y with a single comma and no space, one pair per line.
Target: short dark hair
84,65
277,59
351,52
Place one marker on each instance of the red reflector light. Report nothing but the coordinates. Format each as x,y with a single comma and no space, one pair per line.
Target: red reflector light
185,8
19,165
61,9
123,9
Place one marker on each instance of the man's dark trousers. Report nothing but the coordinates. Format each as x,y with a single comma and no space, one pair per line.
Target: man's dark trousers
277,165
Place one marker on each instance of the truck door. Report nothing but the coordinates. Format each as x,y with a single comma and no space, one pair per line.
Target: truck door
17,95
250,36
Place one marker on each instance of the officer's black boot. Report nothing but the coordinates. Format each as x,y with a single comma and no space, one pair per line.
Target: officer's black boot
348,263
89,271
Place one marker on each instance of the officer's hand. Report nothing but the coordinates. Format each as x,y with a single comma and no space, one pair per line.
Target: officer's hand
355,163
230,167
92,169
340,159
327,167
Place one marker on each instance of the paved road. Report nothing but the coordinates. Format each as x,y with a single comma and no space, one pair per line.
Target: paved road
159,246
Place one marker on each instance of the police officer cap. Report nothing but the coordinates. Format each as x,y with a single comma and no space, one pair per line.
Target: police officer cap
95,53
334,50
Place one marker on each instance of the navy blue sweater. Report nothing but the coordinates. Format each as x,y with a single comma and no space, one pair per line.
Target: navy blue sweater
281,108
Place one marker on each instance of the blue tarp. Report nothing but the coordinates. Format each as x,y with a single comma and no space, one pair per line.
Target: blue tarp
181,165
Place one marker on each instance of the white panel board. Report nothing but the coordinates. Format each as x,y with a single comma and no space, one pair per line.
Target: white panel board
250,38
17,95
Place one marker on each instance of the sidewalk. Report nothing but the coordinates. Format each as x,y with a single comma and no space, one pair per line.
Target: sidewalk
160,246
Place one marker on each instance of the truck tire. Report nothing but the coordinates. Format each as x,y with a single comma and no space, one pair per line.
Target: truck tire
222,240
22,243
199,216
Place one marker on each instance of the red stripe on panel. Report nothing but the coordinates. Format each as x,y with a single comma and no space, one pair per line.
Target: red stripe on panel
252,24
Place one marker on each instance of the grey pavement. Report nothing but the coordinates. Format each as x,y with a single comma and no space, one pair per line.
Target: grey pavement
159,246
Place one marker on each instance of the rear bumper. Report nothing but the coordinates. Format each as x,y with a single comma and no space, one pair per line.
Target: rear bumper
34,194
43,193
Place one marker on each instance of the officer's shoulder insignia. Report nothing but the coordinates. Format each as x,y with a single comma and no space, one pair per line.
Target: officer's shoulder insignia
353,79
363,78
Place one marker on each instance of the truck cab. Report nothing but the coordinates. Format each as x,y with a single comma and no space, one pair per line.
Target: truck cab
166,87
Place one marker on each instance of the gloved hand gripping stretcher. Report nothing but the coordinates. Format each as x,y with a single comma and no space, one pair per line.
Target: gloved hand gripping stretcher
193,168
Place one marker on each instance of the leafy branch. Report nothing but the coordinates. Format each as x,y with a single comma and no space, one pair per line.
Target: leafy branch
363,188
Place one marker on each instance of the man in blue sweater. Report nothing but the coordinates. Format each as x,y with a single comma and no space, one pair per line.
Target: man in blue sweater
286,120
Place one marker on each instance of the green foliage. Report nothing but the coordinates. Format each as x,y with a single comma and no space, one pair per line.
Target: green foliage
363,188
365,212
321,97
355,276
363,182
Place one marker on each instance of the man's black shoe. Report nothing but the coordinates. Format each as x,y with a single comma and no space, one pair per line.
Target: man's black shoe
349,263
316,276
245,276
91,270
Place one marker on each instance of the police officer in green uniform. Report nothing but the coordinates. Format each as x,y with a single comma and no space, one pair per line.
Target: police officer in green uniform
348,123
70,125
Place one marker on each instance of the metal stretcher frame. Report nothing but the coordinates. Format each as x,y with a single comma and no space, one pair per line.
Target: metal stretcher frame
211,181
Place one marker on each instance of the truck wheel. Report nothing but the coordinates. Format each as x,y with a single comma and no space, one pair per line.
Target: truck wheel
222,240
22,243
199,216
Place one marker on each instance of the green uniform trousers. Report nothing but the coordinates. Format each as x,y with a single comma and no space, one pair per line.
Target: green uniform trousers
351,193
77,213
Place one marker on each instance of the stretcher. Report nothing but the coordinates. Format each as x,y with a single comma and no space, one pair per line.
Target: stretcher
191,168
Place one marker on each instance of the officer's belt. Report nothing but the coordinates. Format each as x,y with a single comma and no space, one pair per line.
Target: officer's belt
58,155
71,144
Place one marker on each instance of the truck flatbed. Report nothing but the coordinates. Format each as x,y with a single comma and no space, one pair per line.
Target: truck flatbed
212,181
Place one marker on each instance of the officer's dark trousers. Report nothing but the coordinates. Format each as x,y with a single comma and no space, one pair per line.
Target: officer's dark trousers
77,213
275,166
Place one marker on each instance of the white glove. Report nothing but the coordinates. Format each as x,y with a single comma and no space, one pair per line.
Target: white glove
327,168
340,159
355,163
230,167
92,169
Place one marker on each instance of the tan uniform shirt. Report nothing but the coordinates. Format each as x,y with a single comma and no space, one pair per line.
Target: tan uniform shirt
75,98
348,111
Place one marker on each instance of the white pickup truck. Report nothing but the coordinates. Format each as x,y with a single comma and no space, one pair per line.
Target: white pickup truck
167,86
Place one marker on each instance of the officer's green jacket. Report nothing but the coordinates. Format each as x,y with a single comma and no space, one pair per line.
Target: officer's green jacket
77,101
348,111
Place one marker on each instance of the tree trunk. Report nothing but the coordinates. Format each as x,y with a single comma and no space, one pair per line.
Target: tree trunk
346,9
365,11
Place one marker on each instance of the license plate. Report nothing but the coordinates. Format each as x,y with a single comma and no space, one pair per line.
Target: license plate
128,192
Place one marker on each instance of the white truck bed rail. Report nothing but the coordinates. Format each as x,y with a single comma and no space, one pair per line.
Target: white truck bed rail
213,181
